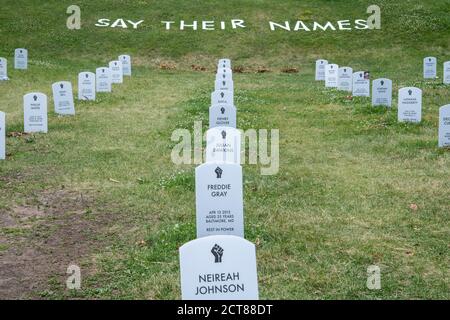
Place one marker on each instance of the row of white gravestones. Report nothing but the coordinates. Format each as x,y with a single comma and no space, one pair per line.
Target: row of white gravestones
220,264
103,79
222,112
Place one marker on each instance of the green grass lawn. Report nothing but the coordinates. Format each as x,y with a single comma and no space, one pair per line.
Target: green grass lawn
355,188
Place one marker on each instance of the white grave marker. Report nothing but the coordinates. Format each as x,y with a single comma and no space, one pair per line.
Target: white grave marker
429,68
126,64
219,199
103,79
224,75
224,63
446,78
361,84
221,115
331,75
63,98
382,92
444,126
86,86
116,71
410,105
21,59
2,136
35,112
222,97
219,268
320,69
345,79
224,85
223,144
3,69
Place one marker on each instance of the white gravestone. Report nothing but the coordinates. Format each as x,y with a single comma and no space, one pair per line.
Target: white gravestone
223,144
382,92
219,268
224,74
86,86
224,85
429,68
3,69
126,64
103,79
2,136
222,97
331,75
410,105
116,71
320,69
345,79
444,126
63,98
361,84
224,63
222,115
446,78
21,59
35,112
219,199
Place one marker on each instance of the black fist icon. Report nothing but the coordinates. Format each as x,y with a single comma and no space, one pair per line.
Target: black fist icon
217,251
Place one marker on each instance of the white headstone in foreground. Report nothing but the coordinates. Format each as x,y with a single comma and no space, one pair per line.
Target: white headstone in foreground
35,112
2,136
219,268
345,79
219,199
444,126
224,85
446,78
223,144
221,115
224,74
361,84
86,86
103,79
320,69
410,105
116,71
382,92
222,97
3,69
429,68
224,63
21,59
126,64
331,75
63,98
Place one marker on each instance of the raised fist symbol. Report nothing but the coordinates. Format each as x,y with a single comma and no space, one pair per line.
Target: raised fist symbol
217,251
219,172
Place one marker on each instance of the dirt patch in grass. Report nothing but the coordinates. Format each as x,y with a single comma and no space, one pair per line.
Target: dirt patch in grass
38,241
